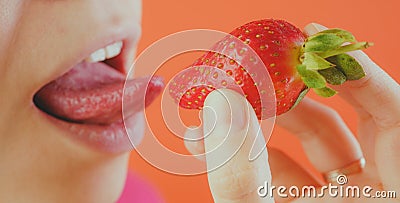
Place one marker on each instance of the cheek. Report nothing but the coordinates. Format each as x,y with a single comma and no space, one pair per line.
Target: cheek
10,12
138,9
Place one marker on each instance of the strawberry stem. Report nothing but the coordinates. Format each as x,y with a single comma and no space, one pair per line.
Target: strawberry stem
346,48
324,60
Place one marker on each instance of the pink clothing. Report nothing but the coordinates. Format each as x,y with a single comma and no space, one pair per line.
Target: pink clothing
138,190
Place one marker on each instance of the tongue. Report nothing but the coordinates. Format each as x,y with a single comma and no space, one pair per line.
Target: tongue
93,92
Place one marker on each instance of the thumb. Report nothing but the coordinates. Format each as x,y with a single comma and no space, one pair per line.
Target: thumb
314,28
230,128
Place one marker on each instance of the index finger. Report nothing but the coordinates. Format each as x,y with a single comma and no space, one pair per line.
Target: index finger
231,129
377,93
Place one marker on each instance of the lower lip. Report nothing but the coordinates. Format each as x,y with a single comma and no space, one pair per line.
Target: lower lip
109,139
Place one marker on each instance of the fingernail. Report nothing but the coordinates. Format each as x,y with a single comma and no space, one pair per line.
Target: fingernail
314,28
224,109
193,134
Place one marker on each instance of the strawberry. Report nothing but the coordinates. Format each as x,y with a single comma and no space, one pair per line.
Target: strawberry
294,63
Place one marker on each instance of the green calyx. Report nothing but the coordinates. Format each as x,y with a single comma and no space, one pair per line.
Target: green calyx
324,60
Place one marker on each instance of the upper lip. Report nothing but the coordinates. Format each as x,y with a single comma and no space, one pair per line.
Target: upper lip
128,34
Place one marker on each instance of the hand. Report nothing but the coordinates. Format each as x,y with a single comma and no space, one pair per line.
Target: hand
327,141
232,134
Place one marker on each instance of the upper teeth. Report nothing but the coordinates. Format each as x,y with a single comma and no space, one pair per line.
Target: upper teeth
108,52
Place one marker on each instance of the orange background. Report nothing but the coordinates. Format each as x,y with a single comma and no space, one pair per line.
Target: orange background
368,20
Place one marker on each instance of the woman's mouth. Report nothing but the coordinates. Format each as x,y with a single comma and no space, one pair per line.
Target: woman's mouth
88,100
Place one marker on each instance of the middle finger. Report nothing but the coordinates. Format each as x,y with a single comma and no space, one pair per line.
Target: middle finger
327,141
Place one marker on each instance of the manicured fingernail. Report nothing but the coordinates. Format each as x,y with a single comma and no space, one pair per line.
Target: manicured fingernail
314,28
224,108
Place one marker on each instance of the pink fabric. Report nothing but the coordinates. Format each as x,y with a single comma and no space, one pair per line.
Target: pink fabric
138,190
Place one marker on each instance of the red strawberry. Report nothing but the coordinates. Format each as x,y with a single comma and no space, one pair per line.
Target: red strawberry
294,62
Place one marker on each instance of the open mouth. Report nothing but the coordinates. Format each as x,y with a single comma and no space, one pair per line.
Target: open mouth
92,91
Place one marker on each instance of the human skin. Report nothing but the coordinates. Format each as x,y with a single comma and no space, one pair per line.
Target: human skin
39,162
326,140
40,40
